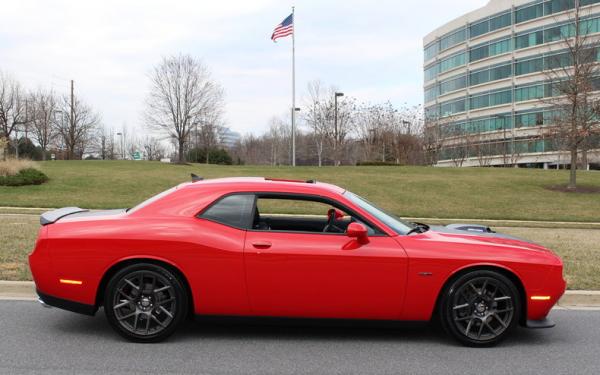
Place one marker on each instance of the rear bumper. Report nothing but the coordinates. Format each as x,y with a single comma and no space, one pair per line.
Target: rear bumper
64,304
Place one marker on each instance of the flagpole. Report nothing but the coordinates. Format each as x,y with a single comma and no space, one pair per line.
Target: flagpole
293,90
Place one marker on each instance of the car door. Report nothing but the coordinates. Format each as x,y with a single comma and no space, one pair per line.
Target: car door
323,275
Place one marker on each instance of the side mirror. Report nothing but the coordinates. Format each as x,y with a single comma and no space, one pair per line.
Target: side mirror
359,232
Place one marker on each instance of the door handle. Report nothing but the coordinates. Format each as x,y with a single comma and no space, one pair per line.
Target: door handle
261,244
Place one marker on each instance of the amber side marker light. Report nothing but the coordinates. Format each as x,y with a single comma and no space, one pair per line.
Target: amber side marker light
71,282
540,298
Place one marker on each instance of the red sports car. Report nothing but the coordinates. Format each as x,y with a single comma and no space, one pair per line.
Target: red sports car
255,247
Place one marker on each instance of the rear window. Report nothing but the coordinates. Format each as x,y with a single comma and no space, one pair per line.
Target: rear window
152,200
233,210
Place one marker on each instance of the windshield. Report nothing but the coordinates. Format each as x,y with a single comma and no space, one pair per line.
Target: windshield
397,225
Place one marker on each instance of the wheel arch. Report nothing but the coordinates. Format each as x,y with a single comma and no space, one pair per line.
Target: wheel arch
503,270
122,263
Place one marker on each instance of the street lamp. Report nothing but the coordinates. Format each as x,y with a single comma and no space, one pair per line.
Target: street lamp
62,124
335,122
122,146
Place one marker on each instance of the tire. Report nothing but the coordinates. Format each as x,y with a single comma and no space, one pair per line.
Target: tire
145,302
480,308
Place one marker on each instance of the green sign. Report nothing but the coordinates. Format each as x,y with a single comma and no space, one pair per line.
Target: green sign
137,155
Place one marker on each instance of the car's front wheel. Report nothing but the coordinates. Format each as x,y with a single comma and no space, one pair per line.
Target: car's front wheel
145,302
480,308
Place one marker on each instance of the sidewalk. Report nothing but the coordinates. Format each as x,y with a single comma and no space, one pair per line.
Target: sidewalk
573,299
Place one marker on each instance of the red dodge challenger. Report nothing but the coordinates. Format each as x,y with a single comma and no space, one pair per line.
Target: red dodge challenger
285,248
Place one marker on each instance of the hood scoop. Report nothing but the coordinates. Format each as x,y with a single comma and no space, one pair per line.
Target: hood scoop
471,228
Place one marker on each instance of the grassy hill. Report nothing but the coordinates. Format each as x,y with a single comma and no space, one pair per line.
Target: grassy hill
484,193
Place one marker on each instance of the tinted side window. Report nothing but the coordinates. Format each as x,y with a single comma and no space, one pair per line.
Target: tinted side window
233,210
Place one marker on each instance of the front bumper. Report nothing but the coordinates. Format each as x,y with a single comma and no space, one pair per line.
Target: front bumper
542,323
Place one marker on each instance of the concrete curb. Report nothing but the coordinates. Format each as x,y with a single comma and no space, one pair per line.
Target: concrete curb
580,298
25,290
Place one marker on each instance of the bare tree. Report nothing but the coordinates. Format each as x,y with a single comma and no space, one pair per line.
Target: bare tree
105,143
321,120
44,118
153,149
77,130
207,133
182,94
573,78
316,116
12,107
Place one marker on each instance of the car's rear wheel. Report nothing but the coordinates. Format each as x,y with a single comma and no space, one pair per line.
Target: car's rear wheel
480,308
145,302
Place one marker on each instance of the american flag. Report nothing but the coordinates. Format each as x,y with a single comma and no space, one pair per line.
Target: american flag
285,28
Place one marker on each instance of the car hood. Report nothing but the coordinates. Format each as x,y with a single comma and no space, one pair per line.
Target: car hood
452,233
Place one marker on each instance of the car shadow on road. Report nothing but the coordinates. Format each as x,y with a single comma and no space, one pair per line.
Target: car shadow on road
269,329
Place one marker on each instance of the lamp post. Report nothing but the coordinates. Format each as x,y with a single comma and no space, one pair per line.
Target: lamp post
122,146
17,141
62,124
335,123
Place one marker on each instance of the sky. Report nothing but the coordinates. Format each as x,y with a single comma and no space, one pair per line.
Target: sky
370,50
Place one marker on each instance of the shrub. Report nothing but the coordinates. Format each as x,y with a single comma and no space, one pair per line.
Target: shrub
20,172
215,156
11,167
28,176
375,163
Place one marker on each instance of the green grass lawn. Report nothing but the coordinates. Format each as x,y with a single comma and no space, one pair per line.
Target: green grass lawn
484,193
577,247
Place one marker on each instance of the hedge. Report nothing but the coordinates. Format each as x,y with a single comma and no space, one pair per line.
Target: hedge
28,176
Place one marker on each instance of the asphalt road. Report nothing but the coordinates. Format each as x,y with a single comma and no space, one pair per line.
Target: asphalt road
50,341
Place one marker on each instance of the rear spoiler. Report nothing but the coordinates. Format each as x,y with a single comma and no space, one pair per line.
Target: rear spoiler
53,216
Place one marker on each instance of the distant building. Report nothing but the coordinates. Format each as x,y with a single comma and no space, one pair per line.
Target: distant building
485,82
228,138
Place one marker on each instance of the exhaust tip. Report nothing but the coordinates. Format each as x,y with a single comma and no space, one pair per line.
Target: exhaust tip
44,304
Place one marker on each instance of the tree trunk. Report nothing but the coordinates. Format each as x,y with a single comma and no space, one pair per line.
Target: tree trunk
584,159
43,153
181,156
573,171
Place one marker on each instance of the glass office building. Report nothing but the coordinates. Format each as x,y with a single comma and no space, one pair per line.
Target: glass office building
486,82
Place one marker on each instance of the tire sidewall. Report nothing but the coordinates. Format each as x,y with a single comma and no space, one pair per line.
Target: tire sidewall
445,310
180,296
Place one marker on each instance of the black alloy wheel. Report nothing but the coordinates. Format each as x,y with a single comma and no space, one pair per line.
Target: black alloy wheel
145,302
480,308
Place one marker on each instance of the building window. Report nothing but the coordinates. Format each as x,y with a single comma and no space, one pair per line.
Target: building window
431,72
453,39
479,77
500,72
555,6
450,108
479,28
500,47
529,13
452,62
431,93
453,84
529,40
431,51
501,21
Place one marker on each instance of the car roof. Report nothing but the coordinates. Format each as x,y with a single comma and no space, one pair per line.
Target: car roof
265,183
